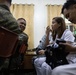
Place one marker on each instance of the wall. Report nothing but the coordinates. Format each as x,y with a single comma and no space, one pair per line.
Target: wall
40,15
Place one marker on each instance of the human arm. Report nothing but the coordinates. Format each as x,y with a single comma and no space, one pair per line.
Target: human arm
41,52
69,38
44,41
48,30
69,47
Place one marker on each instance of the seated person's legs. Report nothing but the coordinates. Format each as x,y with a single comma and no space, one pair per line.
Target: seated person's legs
46,69
38,63
65,70
2,60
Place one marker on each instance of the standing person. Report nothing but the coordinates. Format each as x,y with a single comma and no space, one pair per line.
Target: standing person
69,11
59,31
7,20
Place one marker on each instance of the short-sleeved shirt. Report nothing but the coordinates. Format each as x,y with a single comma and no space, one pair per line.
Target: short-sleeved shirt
23,37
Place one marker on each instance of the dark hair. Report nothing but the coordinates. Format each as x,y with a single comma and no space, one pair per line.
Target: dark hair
22,19
10,1
61,29
67,4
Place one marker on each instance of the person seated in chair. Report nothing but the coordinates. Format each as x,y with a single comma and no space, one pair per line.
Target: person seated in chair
45,40
7,20
69,12
59,31
23,39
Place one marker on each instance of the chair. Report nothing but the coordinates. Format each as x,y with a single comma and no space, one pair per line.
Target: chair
22,51
17,60
8,40
23,48
8,44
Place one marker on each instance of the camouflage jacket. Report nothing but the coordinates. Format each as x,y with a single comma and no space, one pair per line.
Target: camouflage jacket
23,37
7,20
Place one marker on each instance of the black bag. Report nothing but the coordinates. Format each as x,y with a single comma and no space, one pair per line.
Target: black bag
56,56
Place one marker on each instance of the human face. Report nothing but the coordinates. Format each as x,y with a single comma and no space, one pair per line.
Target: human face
55,25
70,14
22,24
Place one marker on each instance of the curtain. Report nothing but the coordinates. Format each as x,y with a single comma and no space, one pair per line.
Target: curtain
53,11
25,11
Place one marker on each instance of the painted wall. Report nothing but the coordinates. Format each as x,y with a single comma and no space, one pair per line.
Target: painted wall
40,15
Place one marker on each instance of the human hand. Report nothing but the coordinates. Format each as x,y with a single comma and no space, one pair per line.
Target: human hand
41,52
48,30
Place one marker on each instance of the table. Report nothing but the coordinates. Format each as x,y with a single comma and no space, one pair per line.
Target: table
28,60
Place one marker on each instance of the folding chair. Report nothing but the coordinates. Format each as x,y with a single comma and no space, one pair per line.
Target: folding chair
8,43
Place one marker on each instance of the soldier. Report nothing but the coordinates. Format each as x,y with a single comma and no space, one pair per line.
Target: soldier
6,18
23,36
18,59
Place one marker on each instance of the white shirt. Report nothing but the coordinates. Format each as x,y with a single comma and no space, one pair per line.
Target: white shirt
42,41
66,36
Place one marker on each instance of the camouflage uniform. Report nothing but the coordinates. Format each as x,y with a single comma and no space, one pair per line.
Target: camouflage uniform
23,37
7,20
18,58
